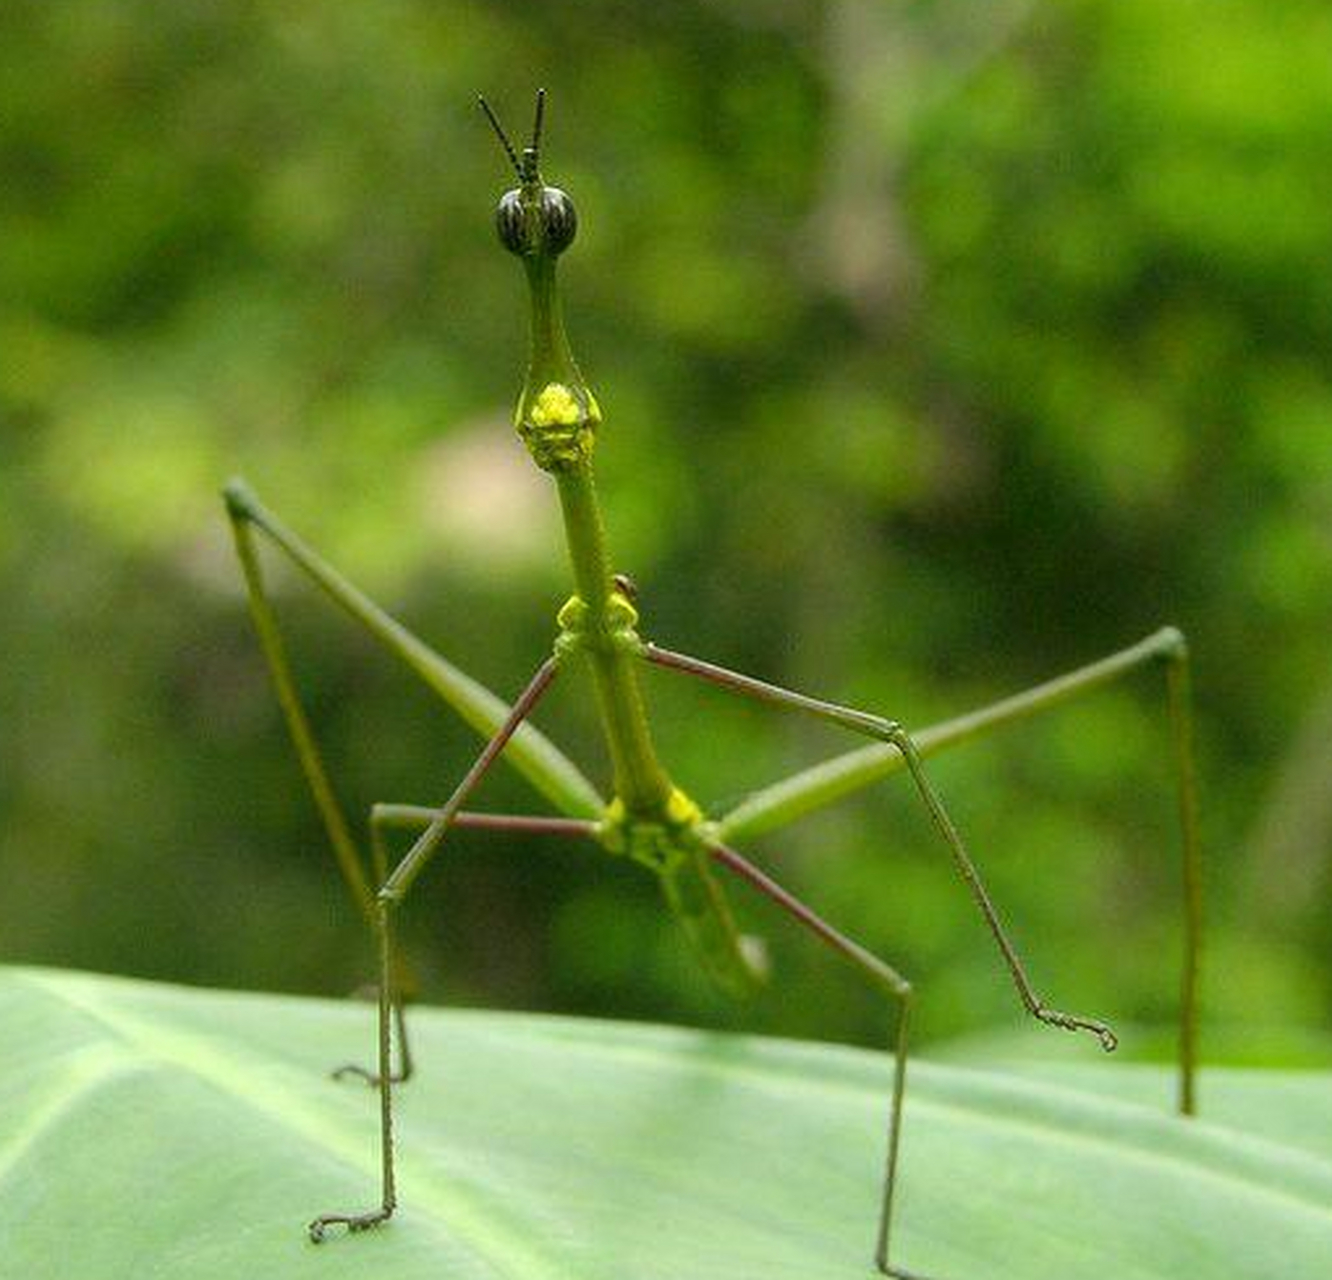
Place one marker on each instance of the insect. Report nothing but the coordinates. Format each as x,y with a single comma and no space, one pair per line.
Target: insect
648,819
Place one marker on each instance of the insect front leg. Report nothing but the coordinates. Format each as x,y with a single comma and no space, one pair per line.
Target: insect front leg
392,890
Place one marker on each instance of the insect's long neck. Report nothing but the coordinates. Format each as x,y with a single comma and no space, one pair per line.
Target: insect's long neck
557,417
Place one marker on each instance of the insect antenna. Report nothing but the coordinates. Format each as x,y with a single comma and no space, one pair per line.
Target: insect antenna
537,122
504,137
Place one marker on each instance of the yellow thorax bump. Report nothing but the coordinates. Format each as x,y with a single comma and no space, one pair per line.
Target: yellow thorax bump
556,406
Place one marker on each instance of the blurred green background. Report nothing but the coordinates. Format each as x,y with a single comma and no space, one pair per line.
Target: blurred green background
943,347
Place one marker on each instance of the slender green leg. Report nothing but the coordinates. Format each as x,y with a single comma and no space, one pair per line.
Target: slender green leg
406,1063
530,753
412,817
534,756
345,849
891,732
351,1070
391,892
885,977
823,784
1181,719
389,1195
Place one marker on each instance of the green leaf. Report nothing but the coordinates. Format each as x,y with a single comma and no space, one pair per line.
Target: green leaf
153,1131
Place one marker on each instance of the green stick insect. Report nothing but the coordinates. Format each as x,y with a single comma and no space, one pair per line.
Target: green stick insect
648,819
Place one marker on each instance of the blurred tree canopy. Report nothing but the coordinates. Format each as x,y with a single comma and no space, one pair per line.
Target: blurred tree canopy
943,347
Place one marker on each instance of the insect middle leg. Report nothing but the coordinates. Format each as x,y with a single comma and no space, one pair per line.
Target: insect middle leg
391,892
380,870
892,733
415,817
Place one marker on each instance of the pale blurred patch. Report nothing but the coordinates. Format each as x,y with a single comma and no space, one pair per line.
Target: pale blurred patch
492,511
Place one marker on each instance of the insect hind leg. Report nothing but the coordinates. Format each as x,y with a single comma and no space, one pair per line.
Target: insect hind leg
886,979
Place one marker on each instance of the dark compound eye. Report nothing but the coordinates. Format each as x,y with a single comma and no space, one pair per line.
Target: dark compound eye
510,222
558,218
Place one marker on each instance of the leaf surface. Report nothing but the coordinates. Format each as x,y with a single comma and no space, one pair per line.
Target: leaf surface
152,1131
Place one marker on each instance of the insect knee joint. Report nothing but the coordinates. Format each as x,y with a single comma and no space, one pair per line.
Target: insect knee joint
893,732
240,499
1172,644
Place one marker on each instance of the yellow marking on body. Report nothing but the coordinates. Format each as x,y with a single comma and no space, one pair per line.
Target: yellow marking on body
572,615
681,811
556,406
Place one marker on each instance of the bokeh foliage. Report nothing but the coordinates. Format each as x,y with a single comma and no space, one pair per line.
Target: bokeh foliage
943,346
